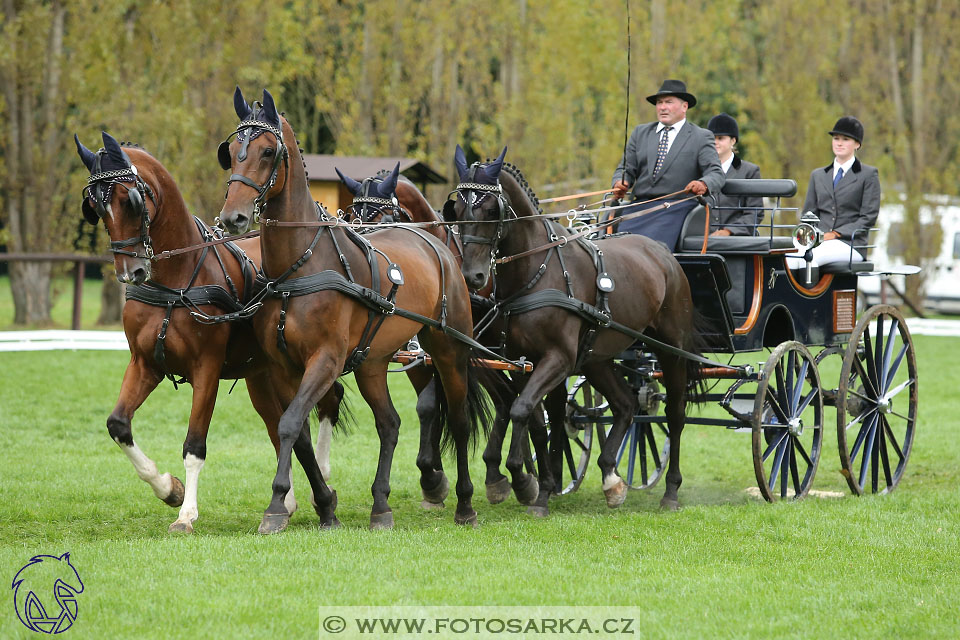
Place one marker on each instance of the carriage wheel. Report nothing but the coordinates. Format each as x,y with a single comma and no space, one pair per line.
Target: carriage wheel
787,423
877,401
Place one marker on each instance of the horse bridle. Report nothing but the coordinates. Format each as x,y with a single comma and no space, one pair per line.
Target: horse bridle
372,206
223,155
99,189
473,194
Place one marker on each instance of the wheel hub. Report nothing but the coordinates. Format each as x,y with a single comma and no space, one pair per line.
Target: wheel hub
795,427
885,406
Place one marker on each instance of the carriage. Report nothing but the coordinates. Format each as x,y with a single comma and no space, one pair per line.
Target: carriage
808,319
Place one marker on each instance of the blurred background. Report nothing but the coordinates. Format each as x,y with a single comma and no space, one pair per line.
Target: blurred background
405,78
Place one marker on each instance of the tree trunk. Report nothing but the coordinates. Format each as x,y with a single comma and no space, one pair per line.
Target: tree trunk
30,283
111,298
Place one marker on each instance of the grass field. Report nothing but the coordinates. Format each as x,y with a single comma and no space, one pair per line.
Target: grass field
726,565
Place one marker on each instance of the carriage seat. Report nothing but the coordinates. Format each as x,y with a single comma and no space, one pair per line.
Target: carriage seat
691,236
763,187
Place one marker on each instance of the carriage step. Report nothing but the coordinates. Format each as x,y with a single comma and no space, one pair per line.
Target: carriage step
741,409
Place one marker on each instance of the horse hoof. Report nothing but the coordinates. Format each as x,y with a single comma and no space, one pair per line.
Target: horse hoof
321,511
175,499
540,512
273,523
431,506
381,521
439,493
616,494
468,519
527,489
333,523
669,504
180,527
498,491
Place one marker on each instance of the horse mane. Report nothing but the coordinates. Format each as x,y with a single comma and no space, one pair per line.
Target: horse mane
516,174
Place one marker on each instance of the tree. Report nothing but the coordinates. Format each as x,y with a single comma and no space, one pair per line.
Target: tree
31,66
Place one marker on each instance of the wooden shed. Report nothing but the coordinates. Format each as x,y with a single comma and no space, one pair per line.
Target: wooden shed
327,189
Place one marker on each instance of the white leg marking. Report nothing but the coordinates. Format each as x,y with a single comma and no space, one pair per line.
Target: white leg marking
324,436
147,470
289,501
188,511
611,480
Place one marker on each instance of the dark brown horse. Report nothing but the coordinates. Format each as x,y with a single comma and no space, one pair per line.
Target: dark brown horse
391,198
144,213
338,301
630,280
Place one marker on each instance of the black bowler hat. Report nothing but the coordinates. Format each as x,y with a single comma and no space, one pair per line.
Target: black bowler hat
850,127
723,124
673,88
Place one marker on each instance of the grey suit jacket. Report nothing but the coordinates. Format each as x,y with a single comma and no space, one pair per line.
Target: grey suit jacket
729,211
852,207
692,156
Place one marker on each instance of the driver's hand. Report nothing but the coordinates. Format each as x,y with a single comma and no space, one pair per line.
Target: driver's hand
696,187
720,232
620,189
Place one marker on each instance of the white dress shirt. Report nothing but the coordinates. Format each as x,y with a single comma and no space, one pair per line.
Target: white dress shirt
846,166
672,134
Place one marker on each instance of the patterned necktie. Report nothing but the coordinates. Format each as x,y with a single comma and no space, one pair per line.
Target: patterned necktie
837,177
661,149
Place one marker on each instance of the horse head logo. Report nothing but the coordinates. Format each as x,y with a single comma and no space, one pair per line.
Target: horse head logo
45,593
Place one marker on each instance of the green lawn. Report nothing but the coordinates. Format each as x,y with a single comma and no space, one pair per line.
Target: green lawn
726,565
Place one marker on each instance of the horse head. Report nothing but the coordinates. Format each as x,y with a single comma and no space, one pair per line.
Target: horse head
255,157
119,192
374,199
480,206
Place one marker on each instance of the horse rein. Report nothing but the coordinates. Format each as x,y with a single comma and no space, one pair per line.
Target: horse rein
223,155
99,188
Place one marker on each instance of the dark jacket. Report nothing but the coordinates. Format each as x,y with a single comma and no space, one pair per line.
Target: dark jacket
742,222
852,207
692,156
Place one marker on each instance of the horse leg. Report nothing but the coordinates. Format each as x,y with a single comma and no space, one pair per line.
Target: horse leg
372,383
328,412
263,396
623,405
433,481
138,383
555,404
675,384
304,450
549,373
498,487
205,385
318,378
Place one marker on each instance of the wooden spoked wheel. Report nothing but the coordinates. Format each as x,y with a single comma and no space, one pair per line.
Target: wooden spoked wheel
787,423
877,402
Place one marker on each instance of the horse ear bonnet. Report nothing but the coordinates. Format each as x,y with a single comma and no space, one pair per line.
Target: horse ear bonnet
269,112
388,187
352,185
89,159
460,161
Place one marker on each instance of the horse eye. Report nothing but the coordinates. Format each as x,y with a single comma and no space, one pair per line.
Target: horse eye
268,151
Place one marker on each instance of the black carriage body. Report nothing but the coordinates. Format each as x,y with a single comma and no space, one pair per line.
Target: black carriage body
751,301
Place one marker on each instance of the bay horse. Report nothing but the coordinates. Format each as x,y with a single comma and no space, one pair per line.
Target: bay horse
571,307
389,197
325,311
145,215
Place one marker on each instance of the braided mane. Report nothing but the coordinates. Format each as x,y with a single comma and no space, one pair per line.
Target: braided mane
515,173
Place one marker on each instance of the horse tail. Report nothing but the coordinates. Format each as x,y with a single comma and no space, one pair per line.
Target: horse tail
338,411
477,405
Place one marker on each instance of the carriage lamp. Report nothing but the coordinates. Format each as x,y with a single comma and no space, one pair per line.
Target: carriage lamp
807,234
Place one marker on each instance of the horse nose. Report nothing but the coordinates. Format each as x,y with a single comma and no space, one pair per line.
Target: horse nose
476,280
140,275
